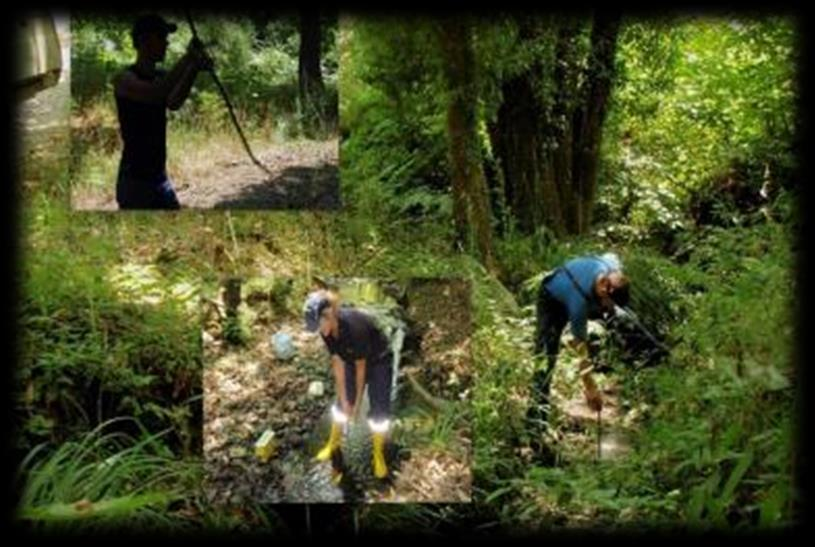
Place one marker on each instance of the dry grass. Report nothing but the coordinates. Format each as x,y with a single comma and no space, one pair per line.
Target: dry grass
206,166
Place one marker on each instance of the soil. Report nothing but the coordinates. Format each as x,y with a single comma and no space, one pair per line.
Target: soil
303,175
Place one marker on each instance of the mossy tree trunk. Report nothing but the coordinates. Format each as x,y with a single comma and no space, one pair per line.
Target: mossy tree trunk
547,132
471,207
310,74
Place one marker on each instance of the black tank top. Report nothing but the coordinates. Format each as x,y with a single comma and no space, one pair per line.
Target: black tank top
143,127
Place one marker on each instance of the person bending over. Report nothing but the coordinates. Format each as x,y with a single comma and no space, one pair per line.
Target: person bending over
360,355
583,288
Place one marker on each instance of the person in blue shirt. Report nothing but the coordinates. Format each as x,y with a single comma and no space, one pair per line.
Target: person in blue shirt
583,288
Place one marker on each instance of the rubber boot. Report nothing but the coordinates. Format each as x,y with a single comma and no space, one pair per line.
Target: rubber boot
380,468
334,441
337,466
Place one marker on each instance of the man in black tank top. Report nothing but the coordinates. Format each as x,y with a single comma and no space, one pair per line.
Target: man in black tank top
143,95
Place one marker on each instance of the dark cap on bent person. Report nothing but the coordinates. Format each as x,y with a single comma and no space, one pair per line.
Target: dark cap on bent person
316,302
152,22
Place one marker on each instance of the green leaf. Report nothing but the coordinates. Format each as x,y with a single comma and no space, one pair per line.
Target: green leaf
697,504
735,477
498,493
104,508
772,506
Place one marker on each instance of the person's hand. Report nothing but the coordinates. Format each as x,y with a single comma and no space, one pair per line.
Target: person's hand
199,55
206,63
203,61
195,45
594,399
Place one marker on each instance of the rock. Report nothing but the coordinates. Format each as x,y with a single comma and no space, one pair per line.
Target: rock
595,328
316,389
207,338
283,346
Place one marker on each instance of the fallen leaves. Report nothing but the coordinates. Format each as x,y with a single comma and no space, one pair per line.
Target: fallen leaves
249,391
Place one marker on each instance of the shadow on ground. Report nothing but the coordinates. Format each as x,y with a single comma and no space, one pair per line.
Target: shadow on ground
293,188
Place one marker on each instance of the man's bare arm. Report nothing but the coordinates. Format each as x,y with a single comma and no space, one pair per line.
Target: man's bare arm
360,384
339,377
129,86
179,93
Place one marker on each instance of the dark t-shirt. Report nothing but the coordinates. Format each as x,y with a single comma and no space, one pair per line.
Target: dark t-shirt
143,127
359,338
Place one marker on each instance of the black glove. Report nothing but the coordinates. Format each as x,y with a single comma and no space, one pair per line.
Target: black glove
195,45
206,63
200,55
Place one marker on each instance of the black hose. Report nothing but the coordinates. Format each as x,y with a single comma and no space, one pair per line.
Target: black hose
228,103
628,314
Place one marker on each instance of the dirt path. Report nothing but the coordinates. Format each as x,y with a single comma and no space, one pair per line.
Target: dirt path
581,426
304,175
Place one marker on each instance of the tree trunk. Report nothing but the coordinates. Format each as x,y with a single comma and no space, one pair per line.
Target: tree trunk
590,117
310,75
516,142
471,209
260,19
548,144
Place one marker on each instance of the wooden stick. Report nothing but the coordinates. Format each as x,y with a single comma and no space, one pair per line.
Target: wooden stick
599,434
308,520
231,227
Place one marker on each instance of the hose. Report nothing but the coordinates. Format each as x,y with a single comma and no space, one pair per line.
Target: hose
228,103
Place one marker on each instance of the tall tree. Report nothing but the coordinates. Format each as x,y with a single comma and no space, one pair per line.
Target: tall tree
547,132
471,207
310,75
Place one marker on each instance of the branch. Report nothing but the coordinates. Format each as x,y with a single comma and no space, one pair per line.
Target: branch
435,402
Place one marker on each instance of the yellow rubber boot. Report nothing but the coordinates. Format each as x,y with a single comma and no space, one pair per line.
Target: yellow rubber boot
334,441
380,468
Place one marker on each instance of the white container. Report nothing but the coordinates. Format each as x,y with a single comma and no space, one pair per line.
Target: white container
316,389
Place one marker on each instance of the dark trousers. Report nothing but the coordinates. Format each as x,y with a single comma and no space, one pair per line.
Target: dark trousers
551,318
133,192
378,377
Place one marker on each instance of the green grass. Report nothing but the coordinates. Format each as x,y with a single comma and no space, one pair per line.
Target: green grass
100,477
692,461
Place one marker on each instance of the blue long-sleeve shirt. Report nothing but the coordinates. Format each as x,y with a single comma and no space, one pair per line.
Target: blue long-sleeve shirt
585,271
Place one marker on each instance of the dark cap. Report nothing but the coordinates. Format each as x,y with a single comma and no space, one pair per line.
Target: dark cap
316,302
151,22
